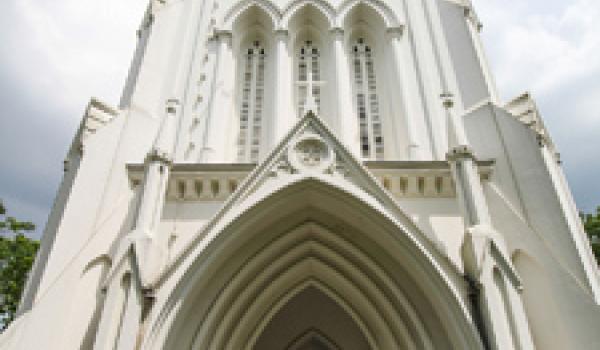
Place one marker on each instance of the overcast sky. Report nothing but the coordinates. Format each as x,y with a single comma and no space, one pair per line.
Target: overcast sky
55,55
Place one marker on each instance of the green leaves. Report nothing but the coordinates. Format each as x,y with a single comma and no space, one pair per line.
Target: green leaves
591,223
14,225
17,253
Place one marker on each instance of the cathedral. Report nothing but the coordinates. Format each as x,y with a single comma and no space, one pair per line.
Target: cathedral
311,174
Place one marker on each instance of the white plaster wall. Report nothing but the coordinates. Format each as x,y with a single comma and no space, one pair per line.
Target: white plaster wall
525,209
537,194
440,217
487,140
183,220
79,242
465,62
560,309
84,202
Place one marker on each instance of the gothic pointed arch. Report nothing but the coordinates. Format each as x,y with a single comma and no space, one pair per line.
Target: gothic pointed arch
294,7
235,12
312,234
313,338
364,27
390,19
252,45
308,23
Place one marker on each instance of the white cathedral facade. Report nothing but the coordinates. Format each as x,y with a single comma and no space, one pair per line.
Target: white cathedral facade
311,174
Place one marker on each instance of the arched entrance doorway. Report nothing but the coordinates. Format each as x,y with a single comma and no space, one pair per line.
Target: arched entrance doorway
312,262
311,320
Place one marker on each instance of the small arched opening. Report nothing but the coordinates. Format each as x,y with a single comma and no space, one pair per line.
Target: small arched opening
311,55
255,75
381,134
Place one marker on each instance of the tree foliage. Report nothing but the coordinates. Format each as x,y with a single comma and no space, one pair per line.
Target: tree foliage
591,222
17,253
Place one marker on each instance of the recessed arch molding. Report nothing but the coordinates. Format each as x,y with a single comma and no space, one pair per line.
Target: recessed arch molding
393,291
280,17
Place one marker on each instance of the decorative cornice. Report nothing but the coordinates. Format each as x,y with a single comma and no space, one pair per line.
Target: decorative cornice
216,182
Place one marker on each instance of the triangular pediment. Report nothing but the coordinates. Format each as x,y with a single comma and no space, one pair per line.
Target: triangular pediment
311,152
310,149
309,158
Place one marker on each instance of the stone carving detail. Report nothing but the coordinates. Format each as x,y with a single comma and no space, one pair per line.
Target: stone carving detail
312,153
340,167
282,166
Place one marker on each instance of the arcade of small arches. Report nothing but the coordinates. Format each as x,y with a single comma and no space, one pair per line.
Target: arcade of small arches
310,52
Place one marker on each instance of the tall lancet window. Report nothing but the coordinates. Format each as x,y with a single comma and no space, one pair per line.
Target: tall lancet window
367,103
252,102
309,76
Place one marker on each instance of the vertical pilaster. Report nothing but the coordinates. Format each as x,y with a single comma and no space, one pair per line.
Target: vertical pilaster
218,132
429,73
143,35
406,83
151,250
346,123
474,26
284,115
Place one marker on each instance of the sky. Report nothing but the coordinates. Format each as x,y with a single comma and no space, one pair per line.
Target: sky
55,55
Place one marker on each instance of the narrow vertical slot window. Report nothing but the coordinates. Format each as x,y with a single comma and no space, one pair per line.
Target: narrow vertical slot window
309,76
252,102
367,101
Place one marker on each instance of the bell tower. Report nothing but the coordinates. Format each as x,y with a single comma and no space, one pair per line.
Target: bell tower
311,174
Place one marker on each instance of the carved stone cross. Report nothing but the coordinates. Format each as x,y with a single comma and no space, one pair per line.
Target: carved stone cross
310,104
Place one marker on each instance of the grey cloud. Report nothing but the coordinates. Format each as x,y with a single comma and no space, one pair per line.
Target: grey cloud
569,101
53,58
33,146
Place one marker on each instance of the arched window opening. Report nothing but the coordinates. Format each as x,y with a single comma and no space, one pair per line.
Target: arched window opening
366,100
252,102
309,76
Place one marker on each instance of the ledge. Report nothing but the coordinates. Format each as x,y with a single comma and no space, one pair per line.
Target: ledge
217,181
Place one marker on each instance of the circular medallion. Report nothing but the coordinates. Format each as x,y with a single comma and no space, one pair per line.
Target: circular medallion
311,152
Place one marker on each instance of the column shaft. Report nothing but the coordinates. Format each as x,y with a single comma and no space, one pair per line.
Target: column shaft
346,123
219,133
284,115
409,89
